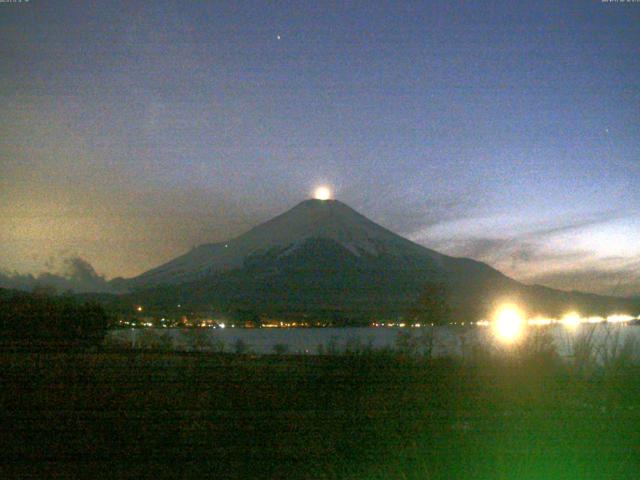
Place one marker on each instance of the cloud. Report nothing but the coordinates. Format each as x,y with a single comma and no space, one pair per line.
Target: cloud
482,248
532,262
624,282
593,253
518,252
77,275
571,225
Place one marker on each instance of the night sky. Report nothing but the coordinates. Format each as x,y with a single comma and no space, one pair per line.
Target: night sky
508,133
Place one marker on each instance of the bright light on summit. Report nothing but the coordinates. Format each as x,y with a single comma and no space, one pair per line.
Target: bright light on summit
322,193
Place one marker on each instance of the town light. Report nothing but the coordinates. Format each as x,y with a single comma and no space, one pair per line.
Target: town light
571,320
508,323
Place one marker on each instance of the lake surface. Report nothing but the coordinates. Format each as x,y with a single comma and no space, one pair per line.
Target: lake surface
447,340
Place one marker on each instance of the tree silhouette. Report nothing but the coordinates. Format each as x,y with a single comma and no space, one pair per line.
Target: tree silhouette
432,305
40,321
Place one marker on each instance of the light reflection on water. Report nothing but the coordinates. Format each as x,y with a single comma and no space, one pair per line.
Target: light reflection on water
447,340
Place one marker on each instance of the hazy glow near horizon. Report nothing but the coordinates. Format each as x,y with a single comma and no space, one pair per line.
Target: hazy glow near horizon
322,193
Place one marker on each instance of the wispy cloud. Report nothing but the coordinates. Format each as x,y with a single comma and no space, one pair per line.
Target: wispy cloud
77,275
621,280
594,253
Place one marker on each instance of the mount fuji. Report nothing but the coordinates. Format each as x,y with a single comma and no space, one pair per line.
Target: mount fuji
322,257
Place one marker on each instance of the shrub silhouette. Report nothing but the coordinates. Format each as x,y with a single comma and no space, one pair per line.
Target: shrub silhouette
280,349
31,321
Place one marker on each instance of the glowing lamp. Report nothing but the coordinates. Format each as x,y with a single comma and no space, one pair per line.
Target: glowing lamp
508,323
571,320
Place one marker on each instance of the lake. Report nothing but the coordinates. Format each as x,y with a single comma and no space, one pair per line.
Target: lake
444,340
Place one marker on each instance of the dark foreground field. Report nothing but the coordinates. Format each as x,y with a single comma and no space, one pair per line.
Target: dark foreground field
166,415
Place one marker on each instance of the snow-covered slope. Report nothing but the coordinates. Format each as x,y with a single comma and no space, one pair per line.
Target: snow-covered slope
325,219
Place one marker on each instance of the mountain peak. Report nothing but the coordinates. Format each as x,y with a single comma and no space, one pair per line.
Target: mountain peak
328,219
317,203
313,218
329,210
